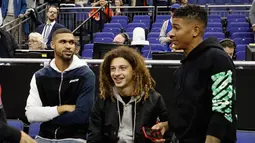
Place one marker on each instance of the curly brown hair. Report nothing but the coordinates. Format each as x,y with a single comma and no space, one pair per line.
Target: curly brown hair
143,81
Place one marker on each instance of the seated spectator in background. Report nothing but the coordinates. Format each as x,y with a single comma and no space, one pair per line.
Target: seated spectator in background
127,101
35,41
61,94
107,13
51,25
8,44
229,47
81,3
9,134
121,38
164,37
118,3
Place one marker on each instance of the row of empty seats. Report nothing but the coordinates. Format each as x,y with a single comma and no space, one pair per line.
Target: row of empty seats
33,127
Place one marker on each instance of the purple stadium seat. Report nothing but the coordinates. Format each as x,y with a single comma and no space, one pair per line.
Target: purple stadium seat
155,25
243,35
214,24
146,54
241,47
230,20
245,136
134,25
130,34
246,41
192,1
122,22
139,17
238,29
113,25
162,18
115,31
158,47
153,34
120,17
240,1
130,29
103,40
34,129
153,40
104,34
218,35
203,2
156,29
214,29
15,123
214,20
222,2
237,24
145,21
235,16
88,46
240,56
214,17
87,54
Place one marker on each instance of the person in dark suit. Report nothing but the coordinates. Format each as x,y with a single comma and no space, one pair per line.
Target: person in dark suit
51,25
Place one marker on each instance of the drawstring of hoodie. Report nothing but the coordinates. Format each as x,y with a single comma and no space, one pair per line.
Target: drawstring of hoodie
134,121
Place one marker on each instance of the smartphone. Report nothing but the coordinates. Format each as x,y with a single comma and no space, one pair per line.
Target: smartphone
151,134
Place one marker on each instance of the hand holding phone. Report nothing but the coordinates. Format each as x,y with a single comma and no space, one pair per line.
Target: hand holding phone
152,134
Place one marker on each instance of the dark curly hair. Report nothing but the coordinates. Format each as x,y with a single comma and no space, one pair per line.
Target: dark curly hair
143,81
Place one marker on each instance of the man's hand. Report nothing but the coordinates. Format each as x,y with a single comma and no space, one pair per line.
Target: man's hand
212,139
26,138
21,16
65,108
163,127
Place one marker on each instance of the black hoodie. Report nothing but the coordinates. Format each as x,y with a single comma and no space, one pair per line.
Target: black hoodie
204,95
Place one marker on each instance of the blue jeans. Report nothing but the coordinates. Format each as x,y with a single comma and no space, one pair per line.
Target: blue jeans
67,140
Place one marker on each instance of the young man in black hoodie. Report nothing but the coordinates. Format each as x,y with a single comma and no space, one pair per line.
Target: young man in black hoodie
204,92
9,134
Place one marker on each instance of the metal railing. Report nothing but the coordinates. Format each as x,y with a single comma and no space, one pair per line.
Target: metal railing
99,61
20,28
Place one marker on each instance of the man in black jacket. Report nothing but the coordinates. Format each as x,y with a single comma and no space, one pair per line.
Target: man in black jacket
7,44
9,134
204,89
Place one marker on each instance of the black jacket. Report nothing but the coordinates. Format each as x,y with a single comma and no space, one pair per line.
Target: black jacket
203,98
104,123
7,133
8,45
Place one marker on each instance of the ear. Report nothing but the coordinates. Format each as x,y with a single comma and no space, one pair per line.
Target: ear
196,30
52,44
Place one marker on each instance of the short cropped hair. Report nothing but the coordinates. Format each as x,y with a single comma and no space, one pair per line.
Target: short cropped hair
192,12
60,31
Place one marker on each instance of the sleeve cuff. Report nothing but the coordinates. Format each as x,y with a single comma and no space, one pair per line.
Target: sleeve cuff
218,126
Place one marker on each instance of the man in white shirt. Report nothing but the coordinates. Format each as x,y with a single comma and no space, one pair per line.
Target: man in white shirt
51,25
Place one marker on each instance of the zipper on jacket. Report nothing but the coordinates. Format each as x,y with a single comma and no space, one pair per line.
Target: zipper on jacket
59,89
56,132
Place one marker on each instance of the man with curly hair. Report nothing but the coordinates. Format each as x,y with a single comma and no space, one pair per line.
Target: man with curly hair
127,100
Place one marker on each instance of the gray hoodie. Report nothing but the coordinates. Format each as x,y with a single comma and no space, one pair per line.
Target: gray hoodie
126,132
